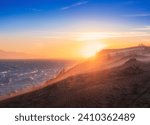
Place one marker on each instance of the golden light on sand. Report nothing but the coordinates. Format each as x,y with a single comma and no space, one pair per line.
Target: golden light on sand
91,48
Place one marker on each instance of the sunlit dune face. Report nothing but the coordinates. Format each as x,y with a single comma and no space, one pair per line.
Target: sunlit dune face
90,49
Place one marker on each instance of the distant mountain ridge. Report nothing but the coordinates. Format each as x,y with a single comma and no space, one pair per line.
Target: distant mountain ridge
15,55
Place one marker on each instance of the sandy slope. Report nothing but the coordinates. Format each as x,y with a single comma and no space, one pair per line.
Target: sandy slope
112,79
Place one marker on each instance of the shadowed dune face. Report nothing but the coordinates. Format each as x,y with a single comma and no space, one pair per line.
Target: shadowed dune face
120,79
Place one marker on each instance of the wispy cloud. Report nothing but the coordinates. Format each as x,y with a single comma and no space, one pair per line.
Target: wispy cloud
34,9
146,28
138,15
74,5
103,35
90,36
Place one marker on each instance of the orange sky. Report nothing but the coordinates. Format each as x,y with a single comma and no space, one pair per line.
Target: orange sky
69,46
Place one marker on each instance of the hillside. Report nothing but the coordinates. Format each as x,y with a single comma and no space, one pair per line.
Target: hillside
118,78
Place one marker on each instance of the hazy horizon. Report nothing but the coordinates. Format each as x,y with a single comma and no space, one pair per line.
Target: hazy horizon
27,56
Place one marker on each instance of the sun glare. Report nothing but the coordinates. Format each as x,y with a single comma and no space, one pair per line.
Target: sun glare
91,49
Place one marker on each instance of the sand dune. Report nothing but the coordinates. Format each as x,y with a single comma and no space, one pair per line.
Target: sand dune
114,78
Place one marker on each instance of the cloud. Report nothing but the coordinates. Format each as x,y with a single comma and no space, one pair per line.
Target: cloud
146,28
138,15
34,9
135,34
89,36
74,5
104,35
93,36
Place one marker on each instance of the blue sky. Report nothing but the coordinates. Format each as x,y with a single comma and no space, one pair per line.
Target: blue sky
27,15
41,24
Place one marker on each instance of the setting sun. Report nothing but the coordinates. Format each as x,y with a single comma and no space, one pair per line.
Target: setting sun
91,49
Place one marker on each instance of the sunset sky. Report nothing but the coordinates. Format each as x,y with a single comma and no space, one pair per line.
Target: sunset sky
68,29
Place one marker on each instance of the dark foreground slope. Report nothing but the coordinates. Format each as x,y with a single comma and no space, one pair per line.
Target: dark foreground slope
127,85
